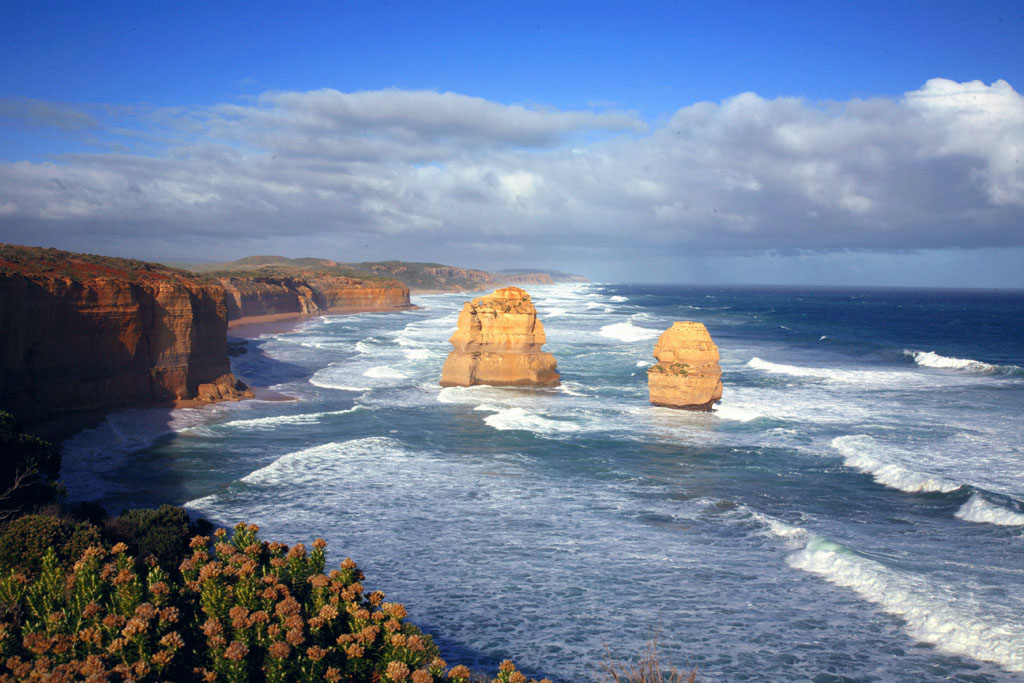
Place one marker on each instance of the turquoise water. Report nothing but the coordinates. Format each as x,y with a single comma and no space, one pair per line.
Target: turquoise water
853,510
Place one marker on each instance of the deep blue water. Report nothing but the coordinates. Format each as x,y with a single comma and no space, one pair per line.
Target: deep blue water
853,510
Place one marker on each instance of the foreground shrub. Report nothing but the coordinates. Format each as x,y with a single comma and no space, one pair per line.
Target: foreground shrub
243,610
27,467
163,533
25,541
648,668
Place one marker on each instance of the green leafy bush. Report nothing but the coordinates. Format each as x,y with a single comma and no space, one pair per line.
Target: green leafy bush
26,468
243,610
163,533
26,541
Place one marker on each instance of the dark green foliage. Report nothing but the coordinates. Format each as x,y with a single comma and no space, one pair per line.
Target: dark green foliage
25,541
27,464
163,533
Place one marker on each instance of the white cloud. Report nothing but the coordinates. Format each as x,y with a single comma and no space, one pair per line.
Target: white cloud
939,167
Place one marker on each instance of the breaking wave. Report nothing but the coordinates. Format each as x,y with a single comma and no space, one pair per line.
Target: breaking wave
863,453
384,372
518,418
628,332
930,359
981,511
933,613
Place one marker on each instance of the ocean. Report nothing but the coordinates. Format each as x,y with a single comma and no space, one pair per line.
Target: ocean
853,510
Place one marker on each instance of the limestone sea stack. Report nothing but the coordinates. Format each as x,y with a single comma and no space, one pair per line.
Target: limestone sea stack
687,374
498,342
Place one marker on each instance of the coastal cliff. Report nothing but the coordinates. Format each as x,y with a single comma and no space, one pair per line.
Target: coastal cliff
498,342
422,277
85,333
308,292
687,374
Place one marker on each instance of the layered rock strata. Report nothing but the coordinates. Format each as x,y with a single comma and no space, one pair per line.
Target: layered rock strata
84,333
687,374
498,342
309,293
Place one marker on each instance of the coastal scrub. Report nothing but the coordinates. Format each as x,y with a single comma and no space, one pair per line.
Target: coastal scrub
235,609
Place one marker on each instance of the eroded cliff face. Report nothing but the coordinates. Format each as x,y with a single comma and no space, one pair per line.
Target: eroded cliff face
84,333
687,374
309,293
498,342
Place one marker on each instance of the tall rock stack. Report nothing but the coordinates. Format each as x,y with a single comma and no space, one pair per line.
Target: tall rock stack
498,342
687,374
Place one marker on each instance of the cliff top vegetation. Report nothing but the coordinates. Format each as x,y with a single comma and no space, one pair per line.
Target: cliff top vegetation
413,274
36,261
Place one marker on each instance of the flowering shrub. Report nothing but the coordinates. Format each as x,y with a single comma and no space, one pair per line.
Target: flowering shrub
241,610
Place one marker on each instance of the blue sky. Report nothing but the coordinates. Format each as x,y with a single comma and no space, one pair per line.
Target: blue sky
832,143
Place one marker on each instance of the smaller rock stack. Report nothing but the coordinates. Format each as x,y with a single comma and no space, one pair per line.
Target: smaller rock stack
498,342
687,374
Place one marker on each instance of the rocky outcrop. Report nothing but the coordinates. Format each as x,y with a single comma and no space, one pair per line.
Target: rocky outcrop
85,333
687,374
498,342
256,294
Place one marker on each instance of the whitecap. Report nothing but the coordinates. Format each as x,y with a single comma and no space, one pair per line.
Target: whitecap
933,613
644,363
305,468
794,536
930,359
864,453
554,312
418,354
886,378
276,420
728,411
365,347
979,510
628,332
618,299
520,419
571,388
383,372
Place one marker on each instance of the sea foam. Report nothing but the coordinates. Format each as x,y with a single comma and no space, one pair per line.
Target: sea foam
277,420
628,332
864,453
979,510
727,411
934,613
383,372
521,419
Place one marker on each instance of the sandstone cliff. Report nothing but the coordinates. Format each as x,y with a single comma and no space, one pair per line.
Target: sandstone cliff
84,333
250,294
687,374
498,342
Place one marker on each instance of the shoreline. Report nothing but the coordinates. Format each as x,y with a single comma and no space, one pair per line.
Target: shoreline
252,326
